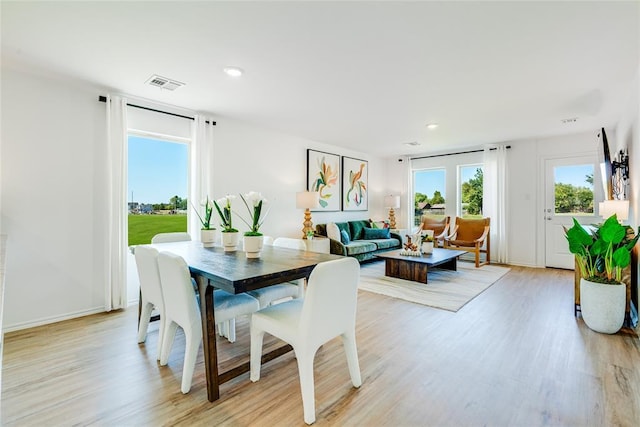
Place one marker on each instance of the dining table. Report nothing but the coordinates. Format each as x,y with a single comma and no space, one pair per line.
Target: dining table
232,271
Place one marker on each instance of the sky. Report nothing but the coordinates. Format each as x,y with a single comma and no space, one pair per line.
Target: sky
574,175
428,181
157,170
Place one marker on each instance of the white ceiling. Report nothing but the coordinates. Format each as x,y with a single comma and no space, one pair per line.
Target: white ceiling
363,75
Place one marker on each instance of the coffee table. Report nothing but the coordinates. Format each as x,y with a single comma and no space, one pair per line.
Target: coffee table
415,267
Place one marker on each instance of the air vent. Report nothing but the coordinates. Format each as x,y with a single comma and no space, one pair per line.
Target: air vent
570,120
164,83
412,144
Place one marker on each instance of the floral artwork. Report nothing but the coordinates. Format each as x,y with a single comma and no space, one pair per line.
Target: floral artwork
354,184
323,176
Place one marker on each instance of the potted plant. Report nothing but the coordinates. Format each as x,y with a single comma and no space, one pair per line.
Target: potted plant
253,238
207,232
229,234
601,256
427,242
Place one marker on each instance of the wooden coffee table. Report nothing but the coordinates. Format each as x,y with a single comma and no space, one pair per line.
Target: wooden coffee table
415,267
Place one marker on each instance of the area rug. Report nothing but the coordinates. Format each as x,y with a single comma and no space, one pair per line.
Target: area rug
447,290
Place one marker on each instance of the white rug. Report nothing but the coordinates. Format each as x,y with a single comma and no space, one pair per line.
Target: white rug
448,290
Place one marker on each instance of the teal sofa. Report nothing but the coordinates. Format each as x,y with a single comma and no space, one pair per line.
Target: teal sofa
361,245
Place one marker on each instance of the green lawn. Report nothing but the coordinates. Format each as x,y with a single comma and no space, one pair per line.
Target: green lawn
143,227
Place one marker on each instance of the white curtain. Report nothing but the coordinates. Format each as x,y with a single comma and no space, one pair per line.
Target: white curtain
494,199
201,170
116,286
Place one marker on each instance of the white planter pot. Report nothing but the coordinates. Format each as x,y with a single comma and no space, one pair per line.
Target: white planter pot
603,306
208,238
253,246
230,240
427,248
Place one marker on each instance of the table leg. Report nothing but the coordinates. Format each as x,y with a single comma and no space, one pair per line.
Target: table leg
209,338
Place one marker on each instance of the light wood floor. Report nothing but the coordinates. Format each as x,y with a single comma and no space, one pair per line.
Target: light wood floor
513,356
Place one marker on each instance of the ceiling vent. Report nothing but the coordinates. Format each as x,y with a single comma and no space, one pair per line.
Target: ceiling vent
412,144
164,83
569,120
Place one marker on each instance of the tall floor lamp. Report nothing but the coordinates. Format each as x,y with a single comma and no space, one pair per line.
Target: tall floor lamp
392,202
307,200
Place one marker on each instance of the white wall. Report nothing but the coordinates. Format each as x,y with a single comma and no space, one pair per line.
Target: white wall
53,198
53,192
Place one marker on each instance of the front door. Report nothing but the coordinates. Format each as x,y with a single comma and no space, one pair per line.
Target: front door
571,187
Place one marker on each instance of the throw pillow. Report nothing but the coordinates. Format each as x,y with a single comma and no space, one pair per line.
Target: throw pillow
376,233
345,237
333,232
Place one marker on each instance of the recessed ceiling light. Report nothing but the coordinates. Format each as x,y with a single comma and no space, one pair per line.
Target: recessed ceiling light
432,125
234,71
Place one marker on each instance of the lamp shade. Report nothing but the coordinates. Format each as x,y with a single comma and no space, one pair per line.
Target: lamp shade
392,202
618,207
307,199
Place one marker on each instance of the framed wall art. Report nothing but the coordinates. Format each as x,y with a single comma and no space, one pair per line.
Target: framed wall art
323,176
355,184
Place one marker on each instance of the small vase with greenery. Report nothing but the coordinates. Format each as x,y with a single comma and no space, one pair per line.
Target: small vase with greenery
254,203
225,213
208,209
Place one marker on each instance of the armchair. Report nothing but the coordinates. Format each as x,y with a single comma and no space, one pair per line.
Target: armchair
440,228
471,235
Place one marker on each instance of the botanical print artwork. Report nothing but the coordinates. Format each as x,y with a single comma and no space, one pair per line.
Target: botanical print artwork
323,174
354,184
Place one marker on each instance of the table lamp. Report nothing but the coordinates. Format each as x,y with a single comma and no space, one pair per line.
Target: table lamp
307,200
392,202
618,207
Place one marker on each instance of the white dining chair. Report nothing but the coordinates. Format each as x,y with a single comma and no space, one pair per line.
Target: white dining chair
181,309
178,236
150,292
328,310
270,294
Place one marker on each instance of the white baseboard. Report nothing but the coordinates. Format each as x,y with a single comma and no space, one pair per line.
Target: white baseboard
52,319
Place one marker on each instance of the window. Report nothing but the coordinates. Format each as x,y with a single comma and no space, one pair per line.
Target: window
470,200
157,187
573,192
429,193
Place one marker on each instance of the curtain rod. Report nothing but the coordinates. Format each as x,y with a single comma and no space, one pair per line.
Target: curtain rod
454,154
102,98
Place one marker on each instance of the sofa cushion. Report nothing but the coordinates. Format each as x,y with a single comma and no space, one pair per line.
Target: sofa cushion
357,229
376,233
344,237
386,243
333,232
357,247
344,226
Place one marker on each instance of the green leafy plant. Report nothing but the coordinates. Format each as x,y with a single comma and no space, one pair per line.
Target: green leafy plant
208,209
603,253
225,213
254,201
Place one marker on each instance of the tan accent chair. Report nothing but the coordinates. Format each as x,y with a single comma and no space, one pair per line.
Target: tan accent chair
440,228
471,235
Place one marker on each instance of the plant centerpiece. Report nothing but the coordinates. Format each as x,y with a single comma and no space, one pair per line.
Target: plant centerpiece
253,238
602,254
207,232
427,242
230,235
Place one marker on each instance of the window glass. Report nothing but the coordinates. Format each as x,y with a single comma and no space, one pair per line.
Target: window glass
471,181
573,193
429,193
157,188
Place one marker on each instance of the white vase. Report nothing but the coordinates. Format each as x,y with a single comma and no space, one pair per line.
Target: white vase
253,246
603,306
427,247
208,237
230,240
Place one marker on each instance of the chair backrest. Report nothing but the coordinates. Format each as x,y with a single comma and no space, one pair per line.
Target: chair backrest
437,225
149,275
179,295
267,240
470,229
179,236
288,242
330,301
